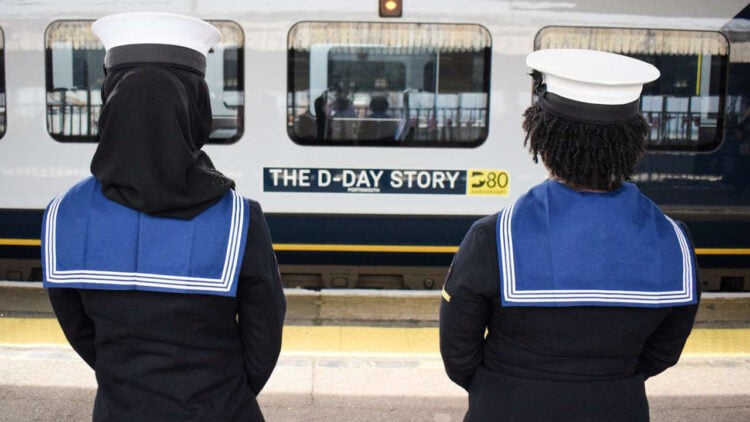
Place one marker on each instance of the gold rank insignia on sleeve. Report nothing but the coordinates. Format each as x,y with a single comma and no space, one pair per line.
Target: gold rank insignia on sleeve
446,296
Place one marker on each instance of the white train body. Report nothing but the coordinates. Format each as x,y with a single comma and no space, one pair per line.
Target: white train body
393,179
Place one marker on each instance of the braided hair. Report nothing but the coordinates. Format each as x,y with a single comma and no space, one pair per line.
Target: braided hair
585,154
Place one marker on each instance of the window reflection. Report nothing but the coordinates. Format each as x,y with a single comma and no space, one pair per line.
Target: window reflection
685,106
388,84
74,76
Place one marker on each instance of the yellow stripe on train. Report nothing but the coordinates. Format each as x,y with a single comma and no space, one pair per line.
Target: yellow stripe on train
341,247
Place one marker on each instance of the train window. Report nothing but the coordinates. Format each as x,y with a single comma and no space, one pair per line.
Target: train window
685,106
388,84
2,84
74,76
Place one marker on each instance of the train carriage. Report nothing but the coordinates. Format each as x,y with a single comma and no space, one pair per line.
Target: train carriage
374,142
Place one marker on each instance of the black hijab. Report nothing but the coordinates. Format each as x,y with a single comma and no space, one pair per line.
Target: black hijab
154,120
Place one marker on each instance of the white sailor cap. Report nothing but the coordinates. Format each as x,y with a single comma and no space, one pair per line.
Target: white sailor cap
156,37
156,28
575,80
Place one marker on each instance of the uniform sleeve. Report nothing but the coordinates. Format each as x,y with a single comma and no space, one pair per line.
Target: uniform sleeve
75,323
664,346
466,306
261,303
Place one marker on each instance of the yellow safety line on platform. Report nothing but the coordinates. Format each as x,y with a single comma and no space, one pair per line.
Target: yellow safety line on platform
341,247
23,331
367,340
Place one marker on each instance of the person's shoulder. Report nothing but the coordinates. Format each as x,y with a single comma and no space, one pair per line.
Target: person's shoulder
487,221
474,266
631,189
252,203
482,231
84,186
86,182
647,203
256,210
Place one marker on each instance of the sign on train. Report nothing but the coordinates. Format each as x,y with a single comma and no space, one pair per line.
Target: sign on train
408,181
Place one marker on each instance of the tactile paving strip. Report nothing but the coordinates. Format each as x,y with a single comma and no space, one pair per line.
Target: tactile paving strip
366,340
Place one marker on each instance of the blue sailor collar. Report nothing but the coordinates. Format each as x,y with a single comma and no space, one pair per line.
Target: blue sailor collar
560,247
91,242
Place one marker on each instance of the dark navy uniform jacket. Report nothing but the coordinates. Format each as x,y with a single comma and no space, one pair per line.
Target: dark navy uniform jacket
187,357
549,363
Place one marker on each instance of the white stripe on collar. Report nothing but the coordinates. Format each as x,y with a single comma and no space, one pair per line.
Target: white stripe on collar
512,294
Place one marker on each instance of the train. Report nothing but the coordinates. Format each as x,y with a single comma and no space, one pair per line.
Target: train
375,132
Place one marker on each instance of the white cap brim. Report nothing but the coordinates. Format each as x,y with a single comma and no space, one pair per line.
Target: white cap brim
590,76
156,28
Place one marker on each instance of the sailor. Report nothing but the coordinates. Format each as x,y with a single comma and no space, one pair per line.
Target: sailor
162,276
558,307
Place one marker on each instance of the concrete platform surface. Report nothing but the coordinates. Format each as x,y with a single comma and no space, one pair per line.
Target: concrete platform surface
363,356
53,384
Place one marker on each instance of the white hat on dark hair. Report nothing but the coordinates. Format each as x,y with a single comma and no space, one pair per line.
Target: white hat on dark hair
589,86
156,28
594,77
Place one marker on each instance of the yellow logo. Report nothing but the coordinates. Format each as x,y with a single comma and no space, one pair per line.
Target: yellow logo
487,182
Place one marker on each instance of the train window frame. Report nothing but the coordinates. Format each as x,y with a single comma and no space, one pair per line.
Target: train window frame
3,93
480,97
231,102
700,146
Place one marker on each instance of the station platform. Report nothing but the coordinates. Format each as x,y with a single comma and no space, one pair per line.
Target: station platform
364,356
349,373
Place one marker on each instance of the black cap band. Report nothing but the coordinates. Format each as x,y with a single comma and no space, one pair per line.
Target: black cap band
155,53
586,112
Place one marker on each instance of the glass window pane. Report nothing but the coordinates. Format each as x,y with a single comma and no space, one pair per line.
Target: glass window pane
74,76
388,84
685,106
2,84
738,100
